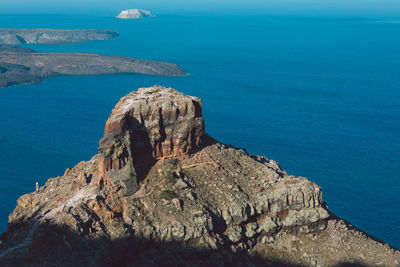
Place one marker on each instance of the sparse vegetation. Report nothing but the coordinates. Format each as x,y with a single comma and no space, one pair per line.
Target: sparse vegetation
173,161
169,177
322,235
168,195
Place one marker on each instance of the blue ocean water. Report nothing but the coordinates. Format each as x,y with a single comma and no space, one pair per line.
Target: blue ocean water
319,95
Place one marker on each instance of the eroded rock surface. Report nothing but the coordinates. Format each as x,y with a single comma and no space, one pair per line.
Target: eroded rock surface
198,202
147,125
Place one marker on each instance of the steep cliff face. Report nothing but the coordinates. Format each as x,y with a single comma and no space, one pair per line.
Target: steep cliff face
162,192
147,125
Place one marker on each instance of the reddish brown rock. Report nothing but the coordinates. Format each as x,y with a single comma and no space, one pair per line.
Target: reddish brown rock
79,166
82,179
25,200
149,124
67,171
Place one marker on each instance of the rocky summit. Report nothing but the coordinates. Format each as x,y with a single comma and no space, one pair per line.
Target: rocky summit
161,192
148,125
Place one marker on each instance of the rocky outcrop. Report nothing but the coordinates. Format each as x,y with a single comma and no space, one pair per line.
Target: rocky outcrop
195,202
134,14
147,125
53,36
25,65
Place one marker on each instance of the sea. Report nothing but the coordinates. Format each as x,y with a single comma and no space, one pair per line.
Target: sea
319,94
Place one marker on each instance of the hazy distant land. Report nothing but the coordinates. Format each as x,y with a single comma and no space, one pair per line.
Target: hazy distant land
22,65
53,36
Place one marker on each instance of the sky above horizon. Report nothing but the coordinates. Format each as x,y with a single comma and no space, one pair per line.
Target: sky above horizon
110,7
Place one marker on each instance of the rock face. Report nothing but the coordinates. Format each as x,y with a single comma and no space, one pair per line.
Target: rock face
24,65
134,14
161,192
150,124
53,36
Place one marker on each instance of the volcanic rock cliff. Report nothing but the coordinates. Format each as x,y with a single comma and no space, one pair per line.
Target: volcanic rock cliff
161,192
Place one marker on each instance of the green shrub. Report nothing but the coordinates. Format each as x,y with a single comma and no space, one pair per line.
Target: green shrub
170,177
168,195
173,161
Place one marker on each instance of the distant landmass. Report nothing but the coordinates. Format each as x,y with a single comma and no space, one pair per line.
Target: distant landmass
134,14
23,65
53,36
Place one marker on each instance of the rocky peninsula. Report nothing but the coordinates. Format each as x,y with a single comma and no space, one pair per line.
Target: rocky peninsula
161,192
134,14
53,36
22,65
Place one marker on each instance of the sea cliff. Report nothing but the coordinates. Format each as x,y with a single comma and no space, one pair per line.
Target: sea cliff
162,192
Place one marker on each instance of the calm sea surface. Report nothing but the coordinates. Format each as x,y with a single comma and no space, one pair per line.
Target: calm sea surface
320,96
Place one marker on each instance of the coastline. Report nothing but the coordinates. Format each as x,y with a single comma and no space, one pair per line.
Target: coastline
234,93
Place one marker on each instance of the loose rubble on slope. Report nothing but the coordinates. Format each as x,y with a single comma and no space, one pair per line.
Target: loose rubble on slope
162,192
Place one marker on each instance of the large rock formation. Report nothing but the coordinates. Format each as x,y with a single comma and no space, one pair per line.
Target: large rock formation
147,125
20,65
53,36
196,202
134,14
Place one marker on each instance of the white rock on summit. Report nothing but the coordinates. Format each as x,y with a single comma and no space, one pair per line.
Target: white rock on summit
134,14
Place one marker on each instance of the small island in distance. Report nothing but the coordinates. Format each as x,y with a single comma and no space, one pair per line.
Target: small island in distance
135,14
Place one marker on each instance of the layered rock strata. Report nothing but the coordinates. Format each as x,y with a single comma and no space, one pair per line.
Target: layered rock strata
53,36
199,203
147,125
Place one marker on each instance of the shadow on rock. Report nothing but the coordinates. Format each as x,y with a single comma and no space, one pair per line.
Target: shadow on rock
56,245
347,264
